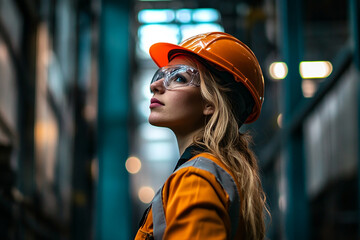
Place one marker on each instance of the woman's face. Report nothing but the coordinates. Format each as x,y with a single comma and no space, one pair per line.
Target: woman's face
181,109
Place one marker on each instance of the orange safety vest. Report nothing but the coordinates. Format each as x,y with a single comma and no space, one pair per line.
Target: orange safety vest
200,200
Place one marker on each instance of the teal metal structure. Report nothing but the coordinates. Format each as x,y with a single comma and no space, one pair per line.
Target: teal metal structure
296,211
354,12
112,201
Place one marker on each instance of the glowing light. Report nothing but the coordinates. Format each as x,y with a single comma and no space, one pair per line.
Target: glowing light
282,203
146,194
153,33
94,169
206,15
315,69
278,70
309,88
133,165
46,132
183,15
279,120
156,16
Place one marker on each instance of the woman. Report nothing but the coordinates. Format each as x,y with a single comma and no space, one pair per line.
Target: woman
205,89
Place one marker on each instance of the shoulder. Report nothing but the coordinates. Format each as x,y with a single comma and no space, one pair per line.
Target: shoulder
202,175
195,171
210,164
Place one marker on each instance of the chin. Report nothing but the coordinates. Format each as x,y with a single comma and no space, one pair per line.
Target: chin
156,122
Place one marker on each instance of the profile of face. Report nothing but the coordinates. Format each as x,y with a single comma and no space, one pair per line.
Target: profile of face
178,103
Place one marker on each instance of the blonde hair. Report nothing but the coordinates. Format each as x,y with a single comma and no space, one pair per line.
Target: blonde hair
221,137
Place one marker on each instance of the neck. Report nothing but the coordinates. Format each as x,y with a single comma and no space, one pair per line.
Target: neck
185,140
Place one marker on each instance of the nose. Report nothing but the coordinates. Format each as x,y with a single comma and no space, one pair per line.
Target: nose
157,86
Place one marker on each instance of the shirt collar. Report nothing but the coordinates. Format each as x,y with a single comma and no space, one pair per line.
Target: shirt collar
189,152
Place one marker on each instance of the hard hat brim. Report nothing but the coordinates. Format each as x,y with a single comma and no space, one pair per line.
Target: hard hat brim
159,52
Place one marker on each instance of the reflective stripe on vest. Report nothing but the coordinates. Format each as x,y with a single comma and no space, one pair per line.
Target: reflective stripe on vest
225,180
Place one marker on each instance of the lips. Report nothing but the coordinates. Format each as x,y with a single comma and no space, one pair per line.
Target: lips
155,103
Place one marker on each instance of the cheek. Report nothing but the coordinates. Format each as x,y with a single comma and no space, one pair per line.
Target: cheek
189,105
182,110
189,101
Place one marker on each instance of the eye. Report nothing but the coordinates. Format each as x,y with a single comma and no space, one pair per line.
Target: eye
180,79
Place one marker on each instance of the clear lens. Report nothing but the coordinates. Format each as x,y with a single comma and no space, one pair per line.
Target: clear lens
177,76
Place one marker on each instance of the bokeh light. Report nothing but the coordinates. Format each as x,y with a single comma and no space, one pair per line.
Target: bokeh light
146,194
315,69
278,70
133,165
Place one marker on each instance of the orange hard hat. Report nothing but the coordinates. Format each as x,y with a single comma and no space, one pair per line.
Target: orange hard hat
225,51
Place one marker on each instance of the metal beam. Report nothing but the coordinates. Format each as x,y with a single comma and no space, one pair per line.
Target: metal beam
113,211
296,211
82,191
354,12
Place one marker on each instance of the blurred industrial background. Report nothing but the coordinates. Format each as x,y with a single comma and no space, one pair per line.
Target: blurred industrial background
78,159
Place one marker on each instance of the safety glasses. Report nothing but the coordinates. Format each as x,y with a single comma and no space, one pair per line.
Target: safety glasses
177,76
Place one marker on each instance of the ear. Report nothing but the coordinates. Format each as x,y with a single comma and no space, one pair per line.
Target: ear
208,109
